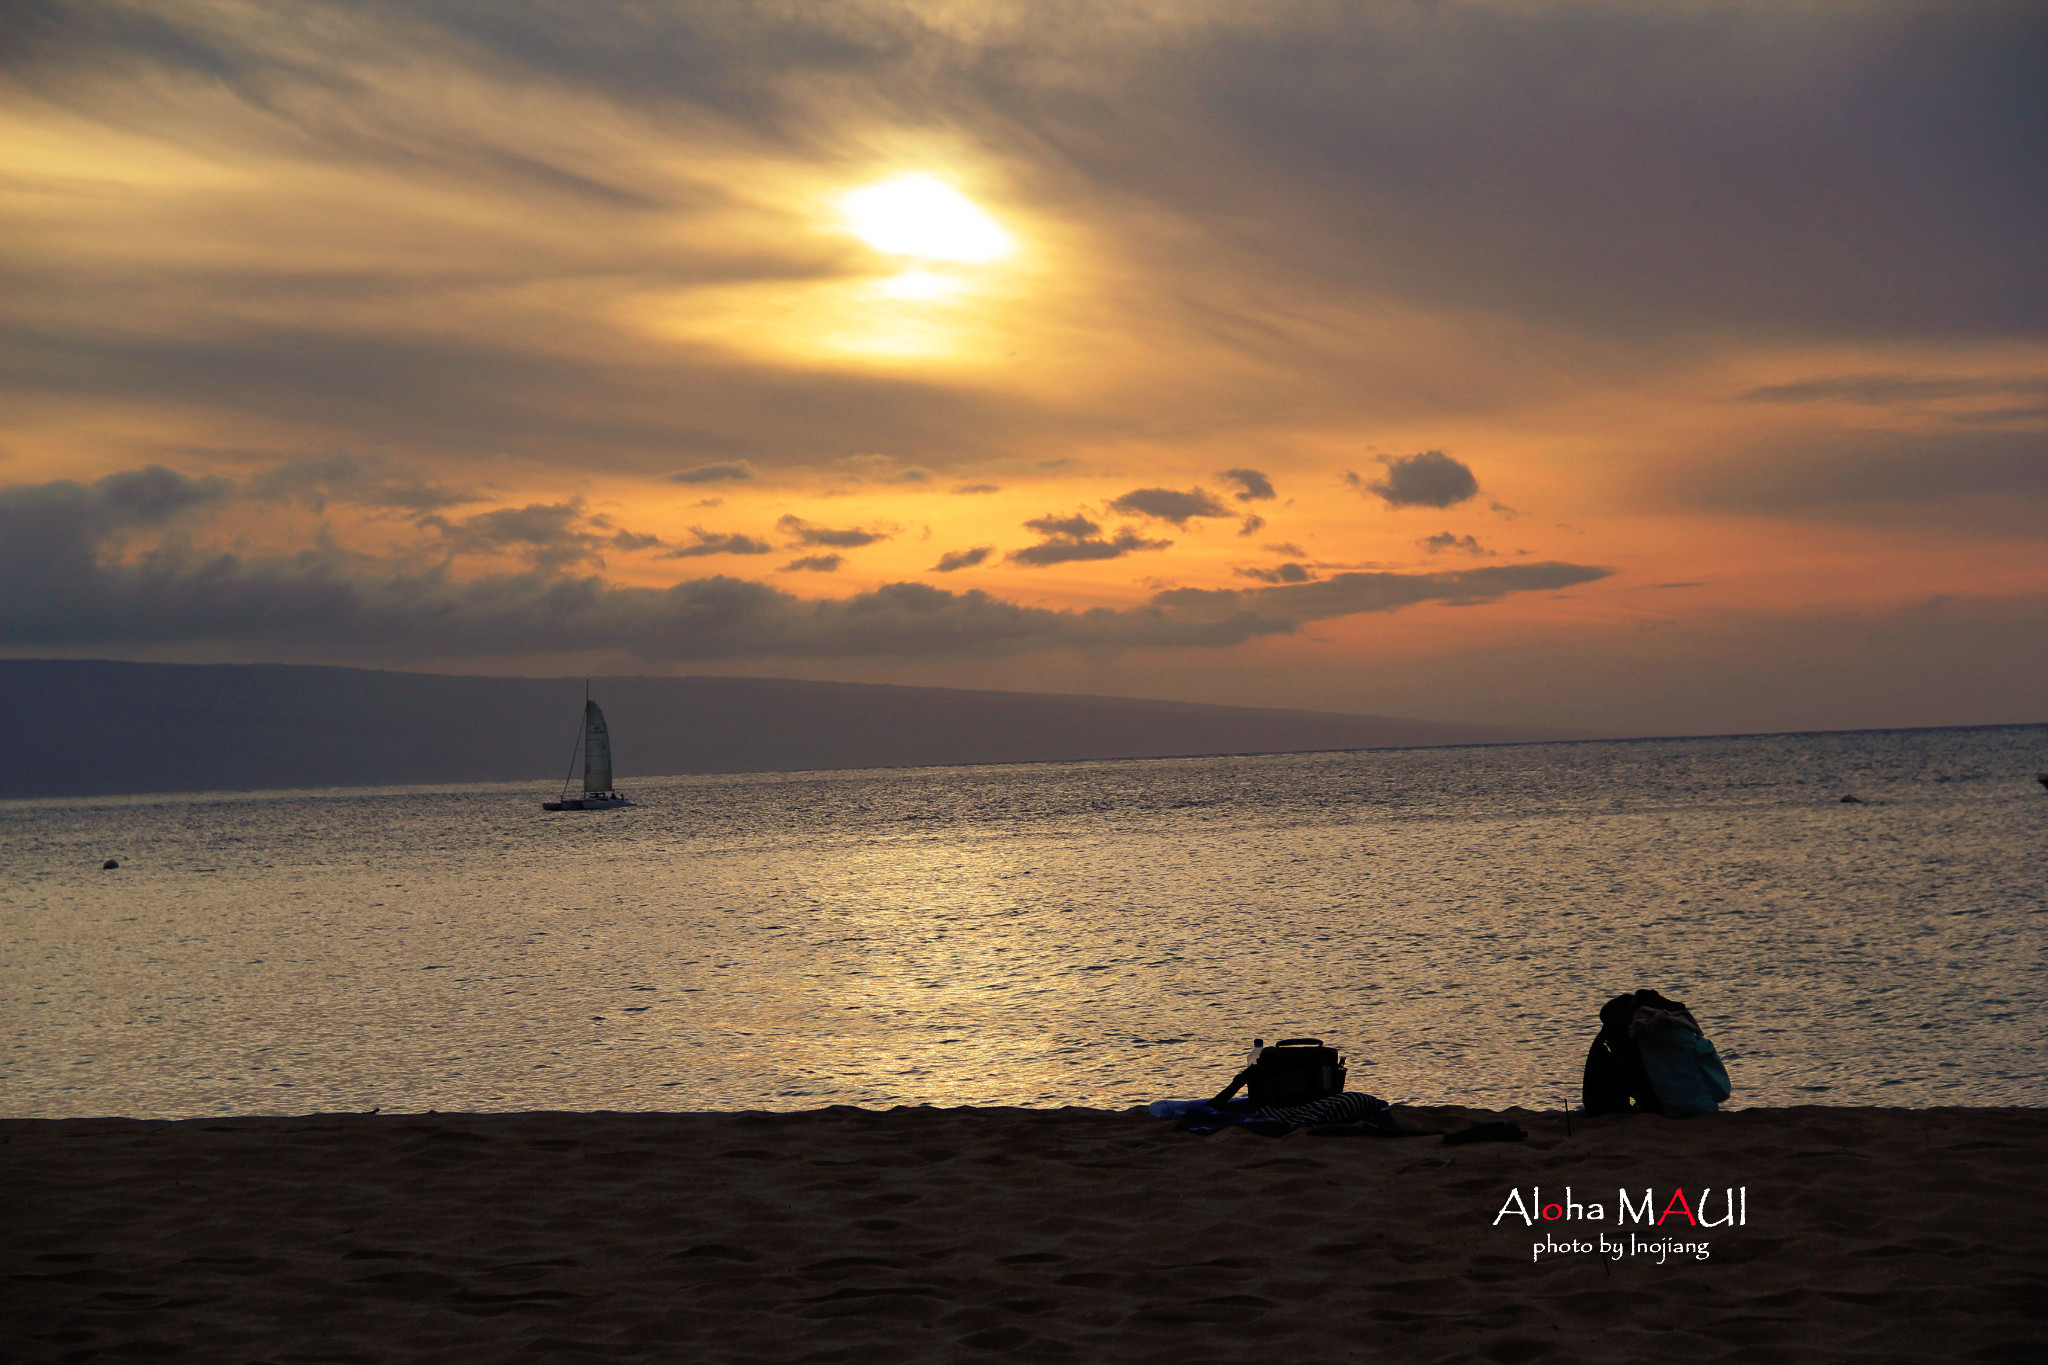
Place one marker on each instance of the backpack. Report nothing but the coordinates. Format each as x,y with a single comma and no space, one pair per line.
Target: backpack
1652,1057
1292,1071
1685,1071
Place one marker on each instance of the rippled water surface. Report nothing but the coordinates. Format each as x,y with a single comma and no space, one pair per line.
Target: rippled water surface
1085,933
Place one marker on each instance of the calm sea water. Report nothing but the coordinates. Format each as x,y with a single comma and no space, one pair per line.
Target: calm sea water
1078,933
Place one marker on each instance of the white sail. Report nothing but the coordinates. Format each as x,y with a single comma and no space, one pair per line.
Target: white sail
597,750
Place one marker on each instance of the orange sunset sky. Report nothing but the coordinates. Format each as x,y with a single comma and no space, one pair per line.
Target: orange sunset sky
1655,367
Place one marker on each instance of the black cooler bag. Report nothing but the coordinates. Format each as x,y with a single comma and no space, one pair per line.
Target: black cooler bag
1294,1071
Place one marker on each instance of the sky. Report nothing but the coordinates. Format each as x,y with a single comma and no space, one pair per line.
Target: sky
1665,367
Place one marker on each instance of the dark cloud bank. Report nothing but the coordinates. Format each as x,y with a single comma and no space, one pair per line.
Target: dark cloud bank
62,584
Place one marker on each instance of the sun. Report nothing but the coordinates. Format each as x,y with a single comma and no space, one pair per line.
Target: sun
924,217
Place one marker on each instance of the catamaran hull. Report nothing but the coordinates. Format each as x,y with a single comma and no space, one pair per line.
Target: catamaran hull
587,803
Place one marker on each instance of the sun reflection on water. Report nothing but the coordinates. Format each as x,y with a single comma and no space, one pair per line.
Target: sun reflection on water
1041,934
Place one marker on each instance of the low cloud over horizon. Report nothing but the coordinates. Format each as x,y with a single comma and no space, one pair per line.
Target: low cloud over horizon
59,585
1387,356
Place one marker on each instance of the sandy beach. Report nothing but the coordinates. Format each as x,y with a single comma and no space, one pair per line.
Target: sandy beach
954,1234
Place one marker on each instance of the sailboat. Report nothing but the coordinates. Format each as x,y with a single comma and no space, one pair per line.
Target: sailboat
597,766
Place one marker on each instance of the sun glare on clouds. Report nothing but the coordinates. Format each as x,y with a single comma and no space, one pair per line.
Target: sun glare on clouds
939,284
952,245
923,216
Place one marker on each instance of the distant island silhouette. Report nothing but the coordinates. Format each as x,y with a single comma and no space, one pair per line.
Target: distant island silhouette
100,727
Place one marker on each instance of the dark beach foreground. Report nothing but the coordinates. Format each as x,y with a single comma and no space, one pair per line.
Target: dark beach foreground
966,1234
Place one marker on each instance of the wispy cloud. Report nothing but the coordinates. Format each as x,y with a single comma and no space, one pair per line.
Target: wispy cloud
1076,538
551,536
367,480
719,543
1252,485
1995,479
1444,540
955,560
802,532
1169,504
1879,390
732,472
1279,573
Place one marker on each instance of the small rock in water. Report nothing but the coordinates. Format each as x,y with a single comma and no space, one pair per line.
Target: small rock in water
109,865
1852,800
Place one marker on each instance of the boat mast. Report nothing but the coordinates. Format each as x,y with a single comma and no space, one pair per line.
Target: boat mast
576,746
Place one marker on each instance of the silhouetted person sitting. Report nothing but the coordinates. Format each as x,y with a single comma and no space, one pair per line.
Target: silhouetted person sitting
1616,1081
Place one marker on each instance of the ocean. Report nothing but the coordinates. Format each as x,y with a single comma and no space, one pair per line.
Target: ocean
1099,934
